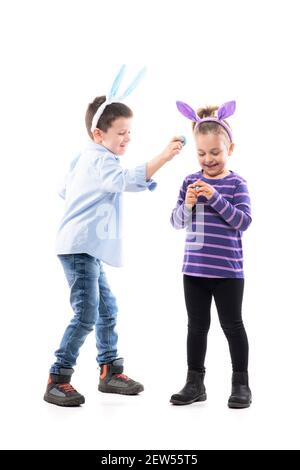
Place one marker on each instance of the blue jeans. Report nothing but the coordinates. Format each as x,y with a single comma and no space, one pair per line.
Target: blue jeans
93,304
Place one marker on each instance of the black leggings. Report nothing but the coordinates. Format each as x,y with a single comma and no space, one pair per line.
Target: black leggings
228,296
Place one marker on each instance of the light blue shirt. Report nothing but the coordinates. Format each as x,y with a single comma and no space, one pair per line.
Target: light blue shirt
93,204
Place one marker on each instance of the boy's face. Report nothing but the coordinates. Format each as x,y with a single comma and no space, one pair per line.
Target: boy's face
117,137
212,153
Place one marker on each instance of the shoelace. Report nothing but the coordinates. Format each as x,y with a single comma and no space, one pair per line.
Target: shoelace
66,388
122,376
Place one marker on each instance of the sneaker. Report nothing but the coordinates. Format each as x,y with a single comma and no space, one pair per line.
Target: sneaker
60,392
112,380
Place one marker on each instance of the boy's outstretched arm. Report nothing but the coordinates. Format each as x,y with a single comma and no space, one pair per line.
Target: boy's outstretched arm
172,149
113,178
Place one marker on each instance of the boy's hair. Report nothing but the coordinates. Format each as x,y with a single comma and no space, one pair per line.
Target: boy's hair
210,126
111,112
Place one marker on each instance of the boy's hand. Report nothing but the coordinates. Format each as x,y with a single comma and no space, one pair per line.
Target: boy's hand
174,148
203,189
167,154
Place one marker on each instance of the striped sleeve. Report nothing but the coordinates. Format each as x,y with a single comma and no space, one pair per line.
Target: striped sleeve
238,213
181,215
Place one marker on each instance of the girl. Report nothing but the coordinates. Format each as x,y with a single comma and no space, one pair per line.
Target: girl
214,206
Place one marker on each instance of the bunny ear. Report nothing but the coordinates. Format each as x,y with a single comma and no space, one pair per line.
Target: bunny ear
187,111
116,83
133,84
226,110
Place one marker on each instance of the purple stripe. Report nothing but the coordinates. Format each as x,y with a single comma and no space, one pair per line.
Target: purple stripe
224,186
243,204
214,256
233,215
214,214
216,201
216,235
224,208
241,194
222,268
236,179
241,221
211,245
199,275
212,225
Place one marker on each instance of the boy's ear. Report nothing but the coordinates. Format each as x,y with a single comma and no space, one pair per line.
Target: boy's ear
231,148
97,134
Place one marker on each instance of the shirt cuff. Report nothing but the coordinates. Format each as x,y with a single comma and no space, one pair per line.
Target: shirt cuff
140,175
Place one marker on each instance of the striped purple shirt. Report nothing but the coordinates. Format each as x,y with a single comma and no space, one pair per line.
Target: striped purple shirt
213,245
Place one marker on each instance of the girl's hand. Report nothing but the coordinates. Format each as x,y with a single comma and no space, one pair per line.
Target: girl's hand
190,197
203,189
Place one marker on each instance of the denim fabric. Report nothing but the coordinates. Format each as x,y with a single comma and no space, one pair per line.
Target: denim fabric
93,304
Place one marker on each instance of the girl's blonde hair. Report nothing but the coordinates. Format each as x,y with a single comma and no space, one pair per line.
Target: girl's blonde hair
209,127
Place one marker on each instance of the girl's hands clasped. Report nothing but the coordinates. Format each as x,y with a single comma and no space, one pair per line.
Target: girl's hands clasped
197,189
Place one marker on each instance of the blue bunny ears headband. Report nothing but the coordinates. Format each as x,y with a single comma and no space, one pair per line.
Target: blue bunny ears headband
112,95
224,111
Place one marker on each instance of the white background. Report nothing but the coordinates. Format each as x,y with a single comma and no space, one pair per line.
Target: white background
55,57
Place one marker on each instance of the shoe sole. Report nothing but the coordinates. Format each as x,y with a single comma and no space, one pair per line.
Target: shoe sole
121,391
71,403
202,397
236,405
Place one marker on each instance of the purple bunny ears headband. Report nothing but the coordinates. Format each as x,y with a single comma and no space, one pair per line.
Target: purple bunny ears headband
224,111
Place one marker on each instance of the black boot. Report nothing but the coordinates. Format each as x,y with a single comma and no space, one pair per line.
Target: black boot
240,393
194,389
60,392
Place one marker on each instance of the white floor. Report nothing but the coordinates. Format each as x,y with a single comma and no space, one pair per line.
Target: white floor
148,421
152,338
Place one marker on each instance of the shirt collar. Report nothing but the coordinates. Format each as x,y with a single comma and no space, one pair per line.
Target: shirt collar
91,145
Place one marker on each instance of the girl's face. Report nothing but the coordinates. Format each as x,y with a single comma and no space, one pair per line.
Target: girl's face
213,150
117,136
